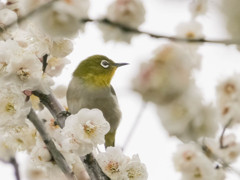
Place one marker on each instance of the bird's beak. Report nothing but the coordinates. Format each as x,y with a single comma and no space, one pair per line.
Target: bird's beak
120,64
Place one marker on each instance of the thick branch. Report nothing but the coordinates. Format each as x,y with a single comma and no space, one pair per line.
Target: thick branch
53,106
90,163
158,36
57,156
92,167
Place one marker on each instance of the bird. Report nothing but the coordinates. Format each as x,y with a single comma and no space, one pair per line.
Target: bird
90,87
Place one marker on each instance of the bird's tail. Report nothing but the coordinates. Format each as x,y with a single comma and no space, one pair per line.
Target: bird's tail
110,139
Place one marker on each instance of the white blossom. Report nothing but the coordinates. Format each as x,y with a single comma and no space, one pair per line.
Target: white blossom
40,153
56,65
14,109
228,101
33,40
136,170
84,130
194,165
63,18
198,7
20,138
7,17
230,150
190,30
126,12
188,118
166,76
61,48
113,163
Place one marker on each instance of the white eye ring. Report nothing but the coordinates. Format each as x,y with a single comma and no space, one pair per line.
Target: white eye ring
104,64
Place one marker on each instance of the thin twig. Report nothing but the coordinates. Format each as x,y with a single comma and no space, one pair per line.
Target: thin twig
158,36
44,62
14,163
134,126
222,134
57,156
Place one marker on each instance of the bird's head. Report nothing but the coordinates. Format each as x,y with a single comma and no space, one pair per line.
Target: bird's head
97,70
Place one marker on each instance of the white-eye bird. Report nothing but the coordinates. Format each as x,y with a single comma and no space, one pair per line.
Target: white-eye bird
90,88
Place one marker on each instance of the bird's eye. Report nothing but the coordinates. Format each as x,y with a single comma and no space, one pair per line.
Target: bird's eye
104,64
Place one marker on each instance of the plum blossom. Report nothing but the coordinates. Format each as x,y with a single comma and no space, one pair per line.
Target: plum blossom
62,19
84,130
113,163
198,7
14,109
194,165
166,76
228,102
126,12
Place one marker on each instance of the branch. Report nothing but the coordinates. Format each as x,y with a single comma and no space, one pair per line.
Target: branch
53,106
92,167
158,36
57,156
222,134
44,62
60,115
14,163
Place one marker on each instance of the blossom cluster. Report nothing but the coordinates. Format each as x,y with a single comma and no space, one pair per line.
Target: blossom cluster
31,55
118,166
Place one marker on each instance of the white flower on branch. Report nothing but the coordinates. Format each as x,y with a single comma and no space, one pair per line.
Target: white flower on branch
84,130
230,150
130,13
190,30
40,154
7,16
228,101
63,18
113,163
22,67
118,166
61,48
135,169
194,165
33,40
20,138
14,109
56,65
187,118
198,7
166,76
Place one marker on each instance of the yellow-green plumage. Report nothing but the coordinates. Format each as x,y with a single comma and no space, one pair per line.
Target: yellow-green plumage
90,88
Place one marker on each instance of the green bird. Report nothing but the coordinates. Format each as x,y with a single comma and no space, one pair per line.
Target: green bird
90,88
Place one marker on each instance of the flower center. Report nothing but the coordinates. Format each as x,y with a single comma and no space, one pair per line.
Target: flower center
112,167
10,108
23,74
